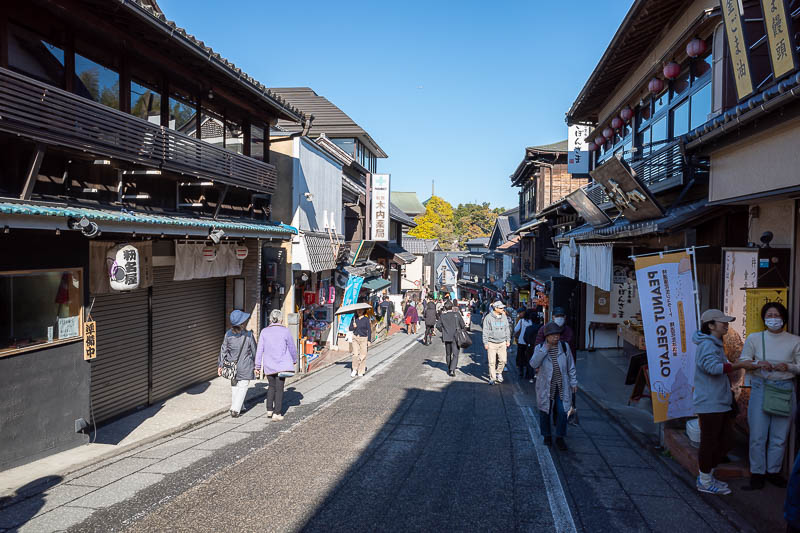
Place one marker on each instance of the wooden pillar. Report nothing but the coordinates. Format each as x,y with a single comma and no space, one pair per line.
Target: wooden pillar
69,62
3,36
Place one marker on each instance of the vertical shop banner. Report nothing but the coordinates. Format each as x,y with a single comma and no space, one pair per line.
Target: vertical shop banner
351,291
669,316
756,299
779,32
737,46
741,272
578,150
380,197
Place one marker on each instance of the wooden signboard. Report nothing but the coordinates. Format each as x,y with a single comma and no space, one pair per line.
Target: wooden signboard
89,340
780,37
625,191
737,47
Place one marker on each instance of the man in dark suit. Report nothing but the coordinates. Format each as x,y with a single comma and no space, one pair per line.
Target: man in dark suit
449,323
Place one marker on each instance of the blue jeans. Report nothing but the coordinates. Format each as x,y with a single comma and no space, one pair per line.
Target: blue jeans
557,409
767,432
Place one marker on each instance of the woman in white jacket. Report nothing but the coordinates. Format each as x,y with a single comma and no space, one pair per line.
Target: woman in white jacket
555,383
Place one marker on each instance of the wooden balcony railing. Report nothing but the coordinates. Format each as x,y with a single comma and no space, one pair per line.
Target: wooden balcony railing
658,171
43,113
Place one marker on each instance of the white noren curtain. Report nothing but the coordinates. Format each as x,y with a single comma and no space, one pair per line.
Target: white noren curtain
596,265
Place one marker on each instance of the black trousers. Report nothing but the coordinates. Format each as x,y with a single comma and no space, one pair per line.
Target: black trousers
275,393
428,333
451,352
524,353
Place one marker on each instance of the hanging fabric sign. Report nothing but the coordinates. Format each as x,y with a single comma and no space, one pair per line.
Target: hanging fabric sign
123,272
669,317
756,299
351,291
596,265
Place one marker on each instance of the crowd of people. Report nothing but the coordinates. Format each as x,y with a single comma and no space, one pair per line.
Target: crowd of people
545,355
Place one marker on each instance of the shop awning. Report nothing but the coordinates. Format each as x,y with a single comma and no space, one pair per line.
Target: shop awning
542,276
319,252
518,281
623,228
375,284
529,226
399,254
32,215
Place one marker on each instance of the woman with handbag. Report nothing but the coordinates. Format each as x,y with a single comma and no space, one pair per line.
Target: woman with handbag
774,357
237,359
276,358
450,323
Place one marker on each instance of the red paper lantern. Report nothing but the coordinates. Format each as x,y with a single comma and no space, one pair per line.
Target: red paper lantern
655,86
600,140
672,70
616,123
608,133
592,146
696,47
626,114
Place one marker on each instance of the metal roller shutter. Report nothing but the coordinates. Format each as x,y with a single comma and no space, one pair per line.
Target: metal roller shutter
188,325
120,372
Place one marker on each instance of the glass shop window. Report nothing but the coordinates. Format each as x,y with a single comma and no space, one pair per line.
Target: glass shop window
680,119
96,82
701,106
146,102
33,56
39,308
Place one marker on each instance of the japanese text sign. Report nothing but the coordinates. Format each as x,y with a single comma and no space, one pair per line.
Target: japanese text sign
737,46
89,340
578,151
779,36
756,299
380,198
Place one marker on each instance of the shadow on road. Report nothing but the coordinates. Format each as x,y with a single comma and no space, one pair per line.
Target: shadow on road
28,500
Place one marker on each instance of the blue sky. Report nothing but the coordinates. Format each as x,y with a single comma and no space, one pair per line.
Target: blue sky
453,92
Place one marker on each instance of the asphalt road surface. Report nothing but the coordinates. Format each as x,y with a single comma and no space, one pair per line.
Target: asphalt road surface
408,448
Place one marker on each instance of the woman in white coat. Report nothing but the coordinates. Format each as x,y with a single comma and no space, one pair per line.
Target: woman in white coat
556,381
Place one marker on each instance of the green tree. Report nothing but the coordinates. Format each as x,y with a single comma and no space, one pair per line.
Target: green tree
436,223
474,220
90,78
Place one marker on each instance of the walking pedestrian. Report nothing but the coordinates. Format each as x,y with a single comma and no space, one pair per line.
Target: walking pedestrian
449,323
713,399
556,382
430,316
412,318
774,361
496,340
238,350
362,335
523,350
386,310
276,357
567,333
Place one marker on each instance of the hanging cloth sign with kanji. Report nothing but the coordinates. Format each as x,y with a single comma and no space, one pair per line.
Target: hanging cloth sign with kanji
89,340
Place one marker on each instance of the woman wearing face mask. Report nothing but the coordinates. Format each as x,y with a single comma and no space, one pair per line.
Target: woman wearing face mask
567,334
774,357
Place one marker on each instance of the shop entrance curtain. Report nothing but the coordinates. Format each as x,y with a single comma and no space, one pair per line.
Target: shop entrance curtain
568,260
596,265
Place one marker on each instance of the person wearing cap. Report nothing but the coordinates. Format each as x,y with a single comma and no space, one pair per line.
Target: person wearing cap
277,355
238,346
773,362
567,333
713,398
496,340
556,382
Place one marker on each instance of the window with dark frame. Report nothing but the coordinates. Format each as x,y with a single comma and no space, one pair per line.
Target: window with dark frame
40,308
96,81
145,102
33,55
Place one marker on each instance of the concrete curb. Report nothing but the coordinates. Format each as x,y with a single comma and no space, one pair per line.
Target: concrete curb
730,514
9,498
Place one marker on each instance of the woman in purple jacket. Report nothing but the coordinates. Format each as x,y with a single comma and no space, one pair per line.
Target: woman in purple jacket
276,355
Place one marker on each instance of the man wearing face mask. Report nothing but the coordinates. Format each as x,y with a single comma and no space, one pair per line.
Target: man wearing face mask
567,334
774,356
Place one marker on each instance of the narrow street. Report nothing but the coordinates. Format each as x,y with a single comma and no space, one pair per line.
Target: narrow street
407,448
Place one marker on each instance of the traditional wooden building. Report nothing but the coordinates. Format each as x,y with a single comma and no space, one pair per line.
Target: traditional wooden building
118,128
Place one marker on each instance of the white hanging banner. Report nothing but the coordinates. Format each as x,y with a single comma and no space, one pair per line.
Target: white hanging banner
667,296
578,149
596,265
741,271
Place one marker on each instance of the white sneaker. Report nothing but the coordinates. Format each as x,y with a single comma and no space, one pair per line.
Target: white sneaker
500,377
277,418
353,374
721,483
712,488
